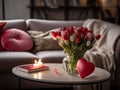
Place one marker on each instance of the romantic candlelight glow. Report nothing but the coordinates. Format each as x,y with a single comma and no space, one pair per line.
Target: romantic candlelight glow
38,63
34,67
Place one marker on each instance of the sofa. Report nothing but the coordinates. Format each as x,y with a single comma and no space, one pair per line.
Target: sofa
10,59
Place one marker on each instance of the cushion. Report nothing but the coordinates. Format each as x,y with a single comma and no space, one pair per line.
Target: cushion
16,40
43,41
2,48
2,24
51,56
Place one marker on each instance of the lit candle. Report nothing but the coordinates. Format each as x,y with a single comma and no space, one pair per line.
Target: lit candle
38,64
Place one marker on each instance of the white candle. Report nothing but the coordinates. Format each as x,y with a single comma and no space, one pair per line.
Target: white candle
38,64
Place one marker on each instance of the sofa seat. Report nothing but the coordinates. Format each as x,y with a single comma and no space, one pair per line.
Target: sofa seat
54,56
8,60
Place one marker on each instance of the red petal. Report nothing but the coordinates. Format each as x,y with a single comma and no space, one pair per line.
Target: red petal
54,34
77,40
98,36
65,36
71,30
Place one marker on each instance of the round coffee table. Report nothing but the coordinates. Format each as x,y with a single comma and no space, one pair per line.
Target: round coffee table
57,75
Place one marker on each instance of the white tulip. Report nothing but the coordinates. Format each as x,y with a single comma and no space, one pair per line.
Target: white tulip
88,43
72,38
89,35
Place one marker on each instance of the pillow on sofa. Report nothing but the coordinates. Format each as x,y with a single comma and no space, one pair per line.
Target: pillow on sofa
2,48
2,24
43,41
16,40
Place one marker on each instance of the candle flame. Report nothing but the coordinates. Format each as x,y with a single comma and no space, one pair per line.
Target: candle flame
38,63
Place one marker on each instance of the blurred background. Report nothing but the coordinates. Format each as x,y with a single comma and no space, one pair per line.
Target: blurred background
108,10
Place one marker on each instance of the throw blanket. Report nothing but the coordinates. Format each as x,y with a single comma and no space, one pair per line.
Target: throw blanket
102,54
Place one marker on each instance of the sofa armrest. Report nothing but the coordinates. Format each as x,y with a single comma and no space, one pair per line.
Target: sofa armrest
117,58
45,25
117,52
18,23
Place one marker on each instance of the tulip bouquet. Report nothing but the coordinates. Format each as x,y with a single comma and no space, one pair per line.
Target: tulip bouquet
75,41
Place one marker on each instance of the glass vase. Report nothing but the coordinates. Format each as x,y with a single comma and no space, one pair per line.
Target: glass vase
70,62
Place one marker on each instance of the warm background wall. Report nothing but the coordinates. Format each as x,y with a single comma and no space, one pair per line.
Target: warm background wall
15,9
19,9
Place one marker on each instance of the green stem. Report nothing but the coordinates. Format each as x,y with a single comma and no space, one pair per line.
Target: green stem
73,58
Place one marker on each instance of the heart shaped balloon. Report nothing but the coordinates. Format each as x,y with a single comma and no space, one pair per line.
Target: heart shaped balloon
84,67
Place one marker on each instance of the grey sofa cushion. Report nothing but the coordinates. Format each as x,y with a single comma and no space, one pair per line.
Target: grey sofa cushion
53,56
45,25
8,60
18,23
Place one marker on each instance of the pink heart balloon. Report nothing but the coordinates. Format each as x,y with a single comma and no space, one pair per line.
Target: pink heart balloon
84,67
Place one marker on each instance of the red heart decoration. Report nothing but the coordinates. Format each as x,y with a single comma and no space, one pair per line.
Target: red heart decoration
84,67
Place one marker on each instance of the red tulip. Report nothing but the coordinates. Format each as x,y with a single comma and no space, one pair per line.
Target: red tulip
65,35
64,28
98,36
78,40
71,30
54,34
92,35
79,35
59,34
84,30
86,38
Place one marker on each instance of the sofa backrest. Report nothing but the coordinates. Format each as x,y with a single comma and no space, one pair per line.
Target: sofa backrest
45,25
18,24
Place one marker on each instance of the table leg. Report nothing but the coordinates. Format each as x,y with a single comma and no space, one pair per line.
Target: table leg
99,86
19,82
92,87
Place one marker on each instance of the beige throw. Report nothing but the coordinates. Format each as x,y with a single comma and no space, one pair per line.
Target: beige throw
102,54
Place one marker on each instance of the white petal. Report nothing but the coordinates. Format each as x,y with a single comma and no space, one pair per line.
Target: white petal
89,35
88,43
72,38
